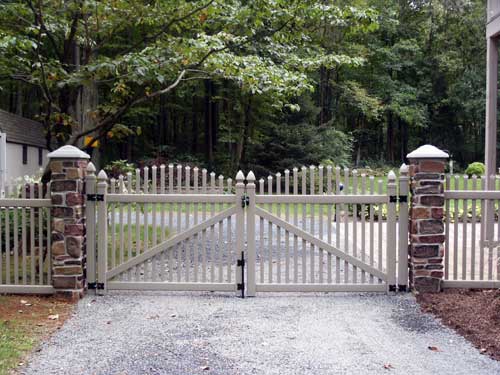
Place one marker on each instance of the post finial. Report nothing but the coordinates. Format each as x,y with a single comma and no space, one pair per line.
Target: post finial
91,169
240,177
102,175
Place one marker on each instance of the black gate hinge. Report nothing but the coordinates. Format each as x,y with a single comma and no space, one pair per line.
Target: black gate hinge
99,286
95,197
240,263
245,201
398,198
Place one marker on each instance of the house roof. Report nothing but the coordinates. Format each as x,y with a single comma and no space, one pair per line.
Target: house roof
22,130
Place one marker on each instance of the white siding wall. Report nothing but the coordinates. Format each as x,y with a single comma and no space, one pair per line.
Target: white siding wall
493,8
15,166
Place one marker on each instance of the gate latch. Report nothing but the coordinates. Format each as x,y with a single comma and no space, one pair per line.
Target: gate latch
245,201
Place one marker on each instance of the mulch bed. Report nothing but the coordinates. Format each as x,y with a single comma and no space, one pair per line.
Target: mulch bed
474,314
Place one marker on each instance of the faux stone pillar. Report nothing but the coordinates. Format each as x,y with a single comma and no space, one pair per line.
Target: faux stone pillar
427,165
68,167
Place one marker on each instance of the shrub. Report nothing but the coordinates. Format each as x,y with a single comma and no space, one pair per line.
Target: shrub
476,168
119,167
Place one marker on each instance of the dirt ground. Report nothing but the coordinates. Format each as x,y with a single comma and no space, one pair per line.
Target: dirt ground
475,314
25,321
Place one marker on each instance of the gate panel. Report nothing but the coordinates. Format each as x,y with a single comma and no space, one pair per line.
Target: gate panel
317,241
186,239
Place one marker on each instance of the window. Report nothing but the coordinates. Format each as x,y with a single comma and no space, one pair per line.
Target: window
25,154
40,156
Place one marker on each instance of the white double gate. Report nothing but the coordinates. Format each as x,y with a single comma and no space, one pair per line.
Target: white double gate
170,228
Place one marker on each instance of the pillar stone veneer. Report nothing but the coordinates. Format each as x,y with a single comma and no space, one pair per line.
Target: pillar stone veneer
68,167
427,166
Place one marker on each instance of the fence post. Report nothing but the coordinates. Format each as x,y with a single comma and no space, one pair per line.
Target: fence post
68,166
427,236
251,288
391,232
240,233
90,189
403,229
102,236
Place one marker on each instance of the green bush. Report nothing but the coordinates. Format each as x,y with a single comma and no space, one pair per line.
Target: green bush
476,168
119,167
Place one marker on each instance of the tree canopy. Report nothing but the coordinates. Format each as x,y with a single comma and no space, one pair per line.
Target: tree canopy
263,83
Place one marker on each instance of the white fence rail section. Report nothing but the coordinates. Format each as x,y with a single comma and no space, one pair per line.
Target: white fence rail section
472,252
25,259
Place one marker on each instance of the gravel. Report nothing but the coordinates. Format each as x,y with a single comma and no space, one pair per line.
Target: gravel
208,333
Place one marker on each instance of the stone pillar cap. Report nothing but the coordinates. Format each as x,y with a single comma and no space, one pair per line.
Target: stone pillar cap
68,152
428,152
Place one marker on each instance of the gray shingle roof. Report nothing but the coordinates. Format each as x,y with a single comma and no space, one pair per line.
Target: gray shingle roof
22,130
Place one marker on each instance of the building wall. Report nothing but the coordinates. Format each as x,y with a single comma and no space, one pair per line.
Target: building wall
14,161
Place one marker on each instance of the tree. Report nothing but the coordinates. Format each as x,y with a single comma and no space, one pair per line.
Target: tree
130,52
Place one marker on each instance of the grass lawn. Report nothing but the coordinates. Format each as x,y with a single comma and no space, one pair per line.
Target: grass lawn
135,241
24,322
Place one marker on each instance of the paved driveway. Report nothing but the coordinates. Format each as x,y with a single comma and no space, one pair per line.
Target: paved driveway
151,333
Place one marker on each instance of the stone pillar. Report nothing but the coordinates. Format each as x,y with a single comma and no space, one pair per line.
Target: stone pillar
68,167
427,165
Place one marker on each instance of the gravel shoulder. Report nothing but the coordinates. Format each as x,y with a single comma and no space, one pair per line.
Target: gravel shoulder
206,333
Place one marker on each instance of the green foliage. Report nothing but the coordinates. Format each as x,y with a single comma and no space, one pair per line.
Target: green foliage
476,168
119,167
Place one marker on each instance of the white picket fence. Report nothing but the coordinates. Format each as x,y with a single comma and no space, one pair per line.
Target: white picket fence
25,258
179,228
472,232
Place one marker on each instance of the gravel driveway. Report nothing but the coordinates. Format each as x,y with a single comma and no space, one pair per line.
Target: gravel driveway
150,333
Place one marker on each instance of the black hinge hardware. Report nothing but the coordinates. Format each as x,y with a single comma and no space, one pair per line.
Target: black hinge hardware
95,197
94,286
241,286
398,198
402,288
245,201
392,288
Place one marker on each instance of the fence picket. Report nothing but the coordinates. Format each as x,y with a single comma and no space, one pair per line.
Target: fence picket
278,231
312,224
329,223
295,219
23,236
464,230
287,233
304,243
345,209
261,234
320,223
32,195
355,225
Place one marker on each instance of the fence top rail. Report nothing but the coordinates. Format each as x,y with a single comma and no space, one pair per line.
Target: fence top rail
324,199
472,194
24,202
171,198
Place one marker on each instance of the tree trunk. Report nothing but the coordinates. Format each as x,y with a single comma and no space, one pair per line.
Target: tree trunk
390,139
209,140
194,127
